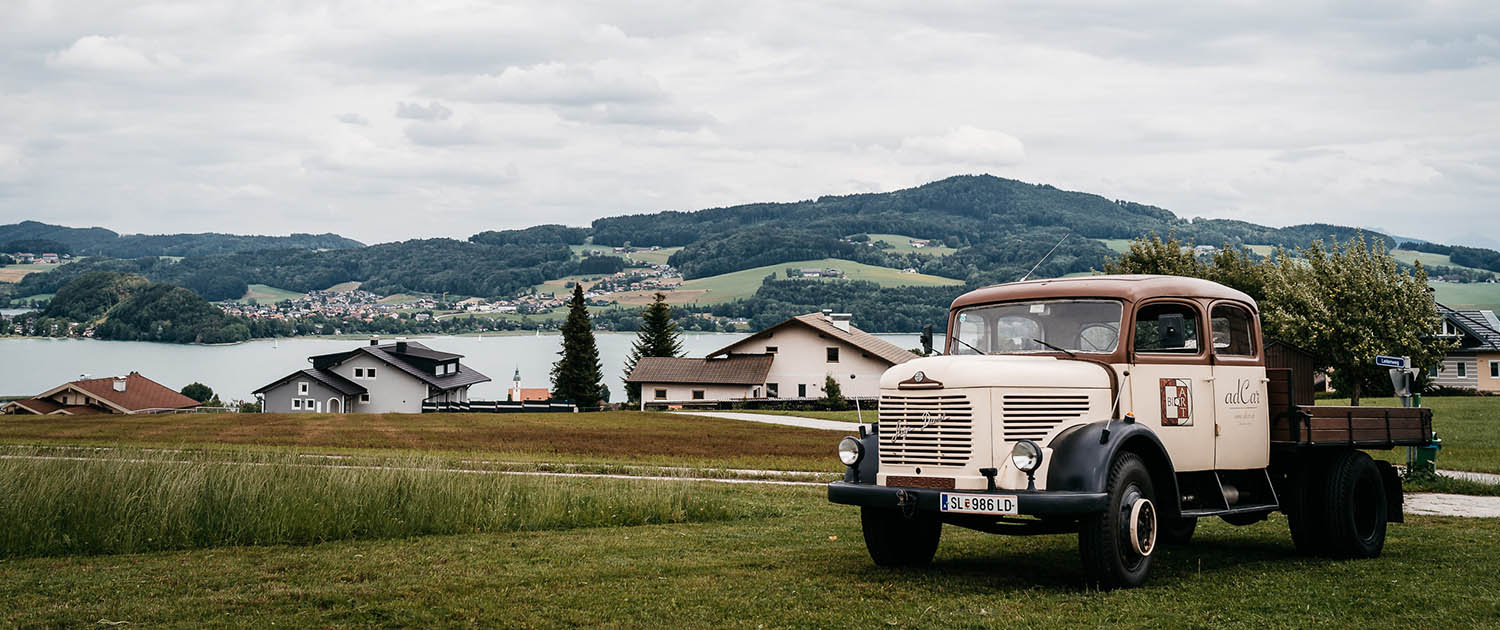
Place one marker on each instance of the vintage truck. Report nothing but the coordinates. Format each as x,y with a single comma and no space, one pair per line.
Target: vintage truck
1123,408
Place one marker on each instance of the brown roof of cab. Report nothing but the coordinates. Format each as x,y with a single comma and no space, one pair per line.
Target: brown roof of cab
1131,288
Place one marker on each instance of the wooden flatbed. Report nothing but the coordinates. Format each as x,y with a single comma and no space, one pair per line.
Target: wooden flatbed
1298,425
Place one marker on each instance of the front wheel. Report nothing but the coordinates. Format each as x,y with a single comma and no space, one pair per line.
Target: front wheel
1116,545
897,541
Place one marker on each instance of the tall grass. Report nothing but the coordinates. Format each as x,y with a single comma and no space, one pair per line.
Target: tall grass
132,501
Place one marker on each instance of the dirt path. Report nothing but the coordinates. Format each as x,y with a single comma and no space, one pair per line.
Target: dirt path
793,421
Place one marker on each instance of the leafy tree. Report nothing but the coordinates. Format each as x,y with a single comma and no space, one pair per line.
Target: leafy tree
1346,304
1155,256
198,392
578,375
658,337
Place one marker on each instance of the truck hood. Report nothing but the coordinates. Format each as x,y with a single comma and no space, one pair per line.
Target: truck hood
1000,371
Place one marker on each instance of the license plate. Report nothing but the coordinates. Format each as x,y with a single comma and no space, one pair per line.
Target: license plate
979,503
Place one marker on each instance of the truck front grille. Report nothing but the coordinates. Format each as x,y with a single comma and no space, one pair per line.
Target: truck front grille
926,429
1032,416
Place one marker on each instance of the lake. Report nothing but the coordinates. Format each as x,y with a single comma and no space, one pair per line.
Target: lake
31,366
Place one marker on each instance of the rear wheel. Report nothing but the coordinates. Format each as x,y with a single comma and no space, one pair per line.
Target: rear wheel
1355,512
897,541
1116,545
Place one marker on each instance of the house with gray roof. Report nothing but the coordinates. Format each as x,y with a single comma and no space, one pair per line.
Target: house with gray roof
390,378
1475,363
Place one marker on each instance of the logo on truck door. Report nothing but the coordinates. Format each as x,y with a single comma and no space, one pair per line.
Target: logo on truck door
1176,402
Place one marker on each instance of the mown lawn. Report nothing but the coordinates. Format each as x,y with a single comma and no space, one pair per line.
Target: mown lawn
618,437
1468,426
805,569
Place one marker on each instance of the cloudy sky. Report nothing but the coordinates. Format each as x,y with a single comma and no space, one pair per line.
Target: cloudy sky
384,121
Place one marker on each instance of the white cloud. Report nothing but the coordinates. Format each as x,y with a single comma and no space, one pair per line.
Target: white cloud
273,117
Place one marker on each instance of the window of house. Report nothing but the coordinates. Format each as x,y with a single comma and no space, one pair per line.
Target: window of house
369,372
770,349
1494,369
1234,331
772,391
359,372
697,394
301,389
802,390
1463,369
364,398
296,403
1167,327
661,394
833,355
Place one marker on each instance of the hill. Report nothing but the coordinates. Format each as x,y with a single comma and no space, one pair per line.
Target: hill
129,307
96,241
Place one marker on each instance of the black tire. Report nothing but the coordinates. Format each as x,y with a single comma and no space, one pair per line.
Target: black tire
1178,531
1355,512
897,541
1305,507
1109,559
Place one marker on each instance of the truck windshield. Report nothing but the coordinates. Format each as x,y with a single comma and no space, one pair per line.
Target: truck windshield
1019,327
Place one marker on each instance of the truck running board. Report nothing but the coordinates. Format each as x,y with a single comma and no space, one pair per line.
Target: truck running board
1227,492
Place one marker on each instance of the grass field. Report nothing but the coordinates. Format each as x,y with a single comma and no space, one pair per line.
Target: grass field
742,284
616,437
399,298
902,244
344,287
804,568
1429,260
267,294
125,501
14,273
32,299
1477,295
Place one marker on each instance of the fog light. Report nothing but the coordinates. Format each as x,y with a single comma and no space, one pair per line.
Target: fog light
1026,456
851,451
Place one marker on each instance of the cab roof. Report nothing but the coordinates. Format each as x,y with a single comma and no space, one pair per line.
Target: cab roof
1131,288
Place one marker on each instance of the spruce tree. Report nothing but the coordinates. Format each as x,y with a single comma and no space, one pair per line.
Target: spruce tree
578,375
658,337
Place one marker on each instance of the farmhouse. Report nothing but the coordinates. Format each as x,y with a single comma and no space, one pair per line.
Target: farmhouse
789,360
129,394
1475,363
390,378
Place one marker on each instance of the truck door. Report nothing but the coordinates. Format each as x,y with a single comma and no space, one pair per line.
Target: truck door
1241,408
1170,380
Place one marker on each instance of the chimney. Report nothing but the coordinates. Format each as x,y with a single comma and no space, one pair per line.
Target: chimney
828,313
400,346
841,320
374,340
120,383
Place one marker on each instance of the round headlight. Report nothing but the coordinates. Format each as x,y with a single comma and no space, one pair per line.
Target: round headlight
850,451
1026,456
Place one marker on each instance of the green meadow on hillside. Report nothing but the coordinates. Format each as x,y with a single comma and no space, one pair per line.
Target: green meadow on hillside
742,284
264,294
902,244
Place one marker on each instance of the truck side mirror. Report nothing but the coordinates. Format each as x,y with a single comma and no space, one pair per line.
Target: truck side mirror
927,339
1171,328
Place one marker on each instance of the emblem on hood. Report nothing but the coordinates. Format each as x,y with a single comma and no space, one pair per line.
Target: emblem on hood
920,381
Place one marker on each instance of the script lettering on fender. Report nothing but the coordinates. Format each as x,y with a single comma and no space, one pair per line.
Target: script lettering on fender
1243,394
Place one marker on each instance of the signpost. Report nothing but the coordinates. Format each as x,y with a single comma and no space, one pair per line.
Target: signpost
1393,362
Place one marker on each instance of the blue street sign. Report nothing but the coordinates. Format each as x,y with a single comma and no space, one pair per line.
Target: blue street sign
1392,362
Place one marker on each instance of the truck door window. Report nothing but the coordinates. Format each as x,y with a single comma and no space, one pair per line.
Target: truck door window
1234,333
1167,327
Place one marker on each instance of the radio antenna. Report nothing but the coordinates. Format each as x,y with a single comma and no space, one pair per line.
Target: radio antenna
1045,257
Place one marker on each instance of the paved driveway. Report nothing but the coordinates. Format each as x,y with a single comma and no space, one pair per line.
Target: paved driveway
794,421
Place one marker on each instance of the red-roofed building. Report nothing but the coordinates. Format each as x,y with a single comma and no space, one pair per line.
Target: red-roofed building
129,394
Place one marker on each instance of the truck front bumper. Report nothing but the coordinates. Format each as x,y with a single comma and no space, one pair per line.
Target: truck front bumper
1034,502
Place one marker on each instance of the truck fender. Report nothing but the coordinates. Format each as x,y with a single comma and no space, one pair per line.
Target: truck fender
1082,454
864,471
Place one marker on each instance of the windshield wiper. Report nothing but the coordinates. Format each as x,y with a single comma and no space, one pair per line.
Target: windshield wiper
971,347
1069,352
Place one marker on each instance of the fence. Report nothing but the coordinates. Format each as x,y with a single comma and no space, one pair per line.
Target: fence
499,406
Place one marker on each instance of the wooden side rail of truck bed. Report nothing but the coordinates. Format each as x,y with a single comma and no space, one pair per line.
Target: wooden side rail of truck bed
1295,424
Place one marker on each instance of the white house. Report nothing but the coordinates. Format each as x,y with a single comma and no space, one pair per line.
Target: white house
790,360
390,378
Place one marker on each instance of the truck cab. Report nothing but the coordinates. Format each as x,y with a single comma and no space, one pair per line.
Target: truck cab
1122,408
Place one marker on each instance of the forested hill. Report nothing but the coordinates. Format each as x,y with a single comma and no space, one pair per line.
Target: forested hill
37,237
999,226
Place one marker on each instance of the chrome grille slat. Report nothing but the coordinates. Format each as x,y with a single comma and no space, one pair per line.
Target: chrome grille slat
948,441
1033,416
